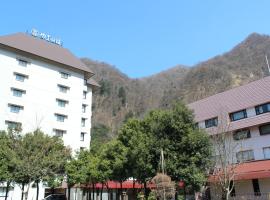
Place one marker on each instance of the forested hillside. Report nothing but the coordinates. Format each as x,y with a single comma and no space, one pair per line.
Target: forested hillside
121,97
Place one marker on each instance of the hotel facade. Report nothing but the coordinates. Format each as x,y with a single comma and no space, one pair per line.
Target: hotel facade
44,86
245,112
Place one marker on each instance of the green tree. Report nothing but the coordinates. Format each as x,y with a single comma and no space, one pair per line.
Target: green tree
139,142
40,157
115,154
8,158
187,149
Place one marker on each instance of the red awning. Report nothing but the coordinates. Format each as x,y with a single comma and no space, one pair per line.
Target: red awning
249,170
129,184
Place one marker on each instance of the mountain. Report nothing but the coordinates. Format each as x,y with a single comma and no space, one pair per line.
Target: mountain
121,97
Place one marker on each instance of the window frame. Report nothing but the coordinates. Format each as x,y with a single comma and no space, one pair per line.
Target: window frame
64,75
63,88
214,122
13,123
82,136
83,122
59,101
239,131
264,155
260,129
59,132
84,94
22,76
16,108
245,151
265,105
232,118
59,117
17,92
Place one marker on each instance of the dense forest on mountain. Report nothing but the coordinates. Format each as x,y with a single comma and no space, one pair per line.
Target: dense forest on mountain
121,97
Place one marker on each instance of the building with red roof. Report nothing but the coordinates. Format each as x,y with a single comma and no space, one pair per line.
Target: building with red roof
244,114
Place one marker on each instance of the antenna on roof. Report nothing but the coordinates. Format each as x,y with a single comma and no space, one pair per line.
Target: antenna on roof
267,64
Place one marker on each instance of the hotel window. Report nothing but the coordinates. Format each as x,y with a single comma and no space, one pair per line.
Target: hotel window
64,75
22,62
60,118
84,108
15,108
264,108
20,77
59,133
242,156
266,152
17,92
211,122
13,125
83,122
238,115
241,134
61,102
264,129
63,88
84,94
82,136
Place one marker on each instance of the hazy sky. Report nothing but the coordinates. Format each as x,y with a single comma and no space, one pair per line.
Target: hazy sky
141,37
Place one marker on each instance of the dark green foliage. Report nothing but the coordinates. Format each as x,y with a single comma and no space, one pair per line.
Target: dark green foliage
105,87
122,95
33,157
99,136
187,149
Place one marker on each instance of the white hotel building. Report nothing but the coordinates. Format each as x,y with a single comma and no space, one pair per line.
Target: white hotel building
43,85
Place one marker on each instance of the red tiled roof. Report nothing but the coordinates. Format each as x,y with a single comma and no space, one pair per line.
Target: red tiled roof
250,170
242,97
44,49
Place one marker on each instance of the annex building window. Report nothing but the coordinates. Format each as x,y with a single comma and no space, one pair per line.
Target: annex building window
15,108
264,108
266,152
211,122
59,133
238,115
20,77
82,136
264,129
64,75
17,92
60,118
241,134
61,102
242,156
63,88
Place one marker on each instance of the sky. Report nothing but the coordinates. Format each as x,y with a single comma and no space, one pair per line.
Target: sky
140,37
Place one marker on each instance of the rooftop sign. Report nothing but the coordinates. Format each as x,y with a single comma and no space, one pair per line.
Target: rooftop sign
46,37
